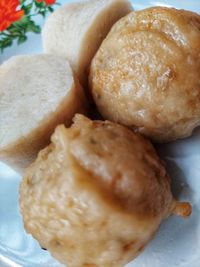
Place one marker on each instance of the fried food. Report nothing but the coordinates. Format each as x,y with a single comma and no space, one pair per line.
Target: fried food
96,195
146,73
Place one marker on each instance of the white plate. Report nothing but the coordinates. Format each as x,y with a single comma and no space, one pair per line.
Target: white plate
177,243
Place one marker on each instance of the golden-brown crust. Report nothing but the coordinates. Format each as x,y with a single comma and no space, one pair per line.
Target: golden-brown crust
146,73
96,195
183,209
124,164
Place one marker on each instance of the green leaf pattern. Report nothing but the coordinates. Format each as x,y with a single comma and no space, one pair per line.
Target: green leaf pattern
18,30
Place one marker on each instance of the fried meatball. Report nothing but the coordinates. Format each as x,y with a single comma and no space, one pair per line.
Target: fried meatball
146,74
96,195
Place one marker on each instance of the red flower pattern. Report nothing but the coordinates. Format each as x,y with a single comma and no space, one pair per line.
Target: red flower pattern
48,2
24,12
9,13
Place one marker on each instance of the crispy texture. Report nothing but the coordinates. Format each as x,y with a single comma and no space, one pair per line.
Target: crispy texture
146,73
96,195
46,94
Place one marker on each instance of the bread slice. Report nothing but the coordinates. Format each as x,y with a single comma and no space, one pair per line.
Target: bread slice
77,30
37,93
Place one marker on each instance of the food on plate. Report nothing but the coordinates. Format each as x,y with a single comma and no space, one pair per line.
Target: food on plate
96,195
77,29
37,93
146,73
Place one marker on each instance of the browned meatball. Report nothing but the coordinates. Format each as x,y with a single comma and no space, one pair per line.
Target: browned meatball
96,195
146,74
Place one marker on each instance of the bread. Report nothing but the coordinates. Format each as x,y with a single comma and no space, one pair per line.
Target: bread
37,93
146,73
96,195
77,29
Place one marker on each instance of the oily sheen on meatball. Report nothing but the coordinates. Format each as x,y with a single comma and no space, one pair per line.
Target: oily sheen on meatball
146,73
96,195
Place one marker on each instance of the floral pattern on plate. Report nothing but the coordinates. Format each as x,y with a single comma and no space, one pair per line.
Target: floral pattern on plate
17,18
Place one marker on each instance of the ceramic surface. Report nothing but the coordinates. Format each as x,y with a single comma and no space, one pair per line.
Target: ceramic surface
177,243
